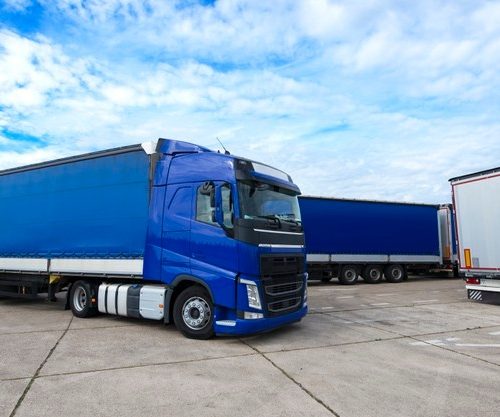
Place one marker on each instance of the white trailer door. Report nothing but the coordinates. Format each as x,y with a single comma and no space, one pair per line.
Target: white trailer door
477,206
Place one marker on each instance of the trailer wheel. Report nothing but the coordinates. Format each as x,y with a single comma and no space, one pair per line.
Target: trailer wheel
394,273
80,299
373,274
194,313
348,275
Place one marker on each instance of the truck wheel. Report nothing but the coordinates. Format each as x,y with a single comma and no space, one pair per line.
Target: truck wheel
394,273
80,299
194,313
326,279
373,274
348,275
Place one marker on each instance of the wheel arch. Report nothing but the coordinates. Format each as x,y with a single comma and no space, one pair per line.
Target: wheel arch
179,284
70,280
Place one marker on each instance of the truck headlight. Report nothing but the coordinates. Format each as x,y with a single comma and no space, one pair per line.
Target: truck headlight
252,293
253,296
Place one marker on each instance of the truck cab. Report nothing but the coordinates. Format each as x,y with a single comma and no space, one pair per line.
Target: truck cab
231,228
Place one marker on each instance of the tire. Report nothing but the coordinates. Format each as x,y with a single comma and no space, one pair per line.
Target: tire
326,279
348,275
80,299
394,273
373,274
193,313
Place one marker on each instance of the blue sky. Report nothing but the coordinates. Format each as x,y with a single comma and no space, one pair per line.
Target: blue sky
358,99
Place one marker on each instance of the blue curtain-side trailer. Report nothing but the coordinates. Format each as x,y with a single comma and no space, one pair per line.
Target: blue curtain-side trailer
375,239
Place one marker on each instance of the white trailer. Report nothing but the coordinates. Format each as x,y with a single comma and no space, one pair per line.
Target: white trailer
476,201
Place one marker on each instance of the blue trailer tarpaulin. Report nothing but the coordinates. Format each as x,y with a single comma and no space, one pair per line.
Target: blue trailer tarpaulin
92,206
369,227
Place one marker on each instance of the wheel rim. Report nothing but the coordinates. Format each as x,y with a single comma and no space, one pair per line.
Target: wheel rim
375,274
397,273
196,313
80,299
350,274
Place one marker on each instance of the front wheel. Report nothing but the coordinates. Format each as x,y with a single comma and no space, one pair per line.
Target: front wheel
194,313
80,299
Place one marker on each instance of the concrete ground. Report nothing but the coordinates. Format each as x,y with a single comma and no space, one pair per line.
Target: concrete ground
418,348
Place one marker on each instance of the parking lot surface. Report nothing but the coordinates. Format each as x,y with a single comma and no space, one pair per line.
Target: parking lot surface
417,348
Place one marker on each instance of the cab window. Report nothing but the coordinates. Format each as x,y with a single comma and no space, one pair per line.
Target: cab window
227,206
205,203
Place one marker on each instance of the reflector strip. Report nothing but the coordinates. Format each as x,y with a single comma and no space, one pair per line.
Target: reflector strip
475,295
468,263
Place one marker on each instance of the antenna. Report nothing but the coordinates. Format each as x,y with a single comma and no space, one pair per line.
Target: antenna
226,152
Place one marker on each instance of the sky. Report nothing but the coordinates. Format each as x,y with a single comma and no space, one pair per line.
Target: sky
371,99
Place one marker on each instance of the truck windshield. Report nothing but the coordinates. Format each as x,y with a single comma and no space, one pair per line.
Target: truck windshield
261,200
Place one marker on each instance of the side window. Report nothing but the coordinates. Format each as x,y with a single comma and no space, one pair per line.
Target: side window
205,203
227,205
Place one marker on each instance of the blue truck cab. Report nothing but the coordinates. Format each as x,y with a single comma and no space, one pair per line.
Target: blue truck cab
168,230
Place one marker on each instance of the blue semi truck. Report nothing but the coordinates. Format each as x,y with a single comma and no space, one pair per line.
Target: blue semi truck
166,230
376,239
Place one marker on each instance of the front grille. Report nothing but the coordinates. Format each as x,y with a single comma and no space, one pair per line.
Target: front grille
285,305
281,289
283,282
278,265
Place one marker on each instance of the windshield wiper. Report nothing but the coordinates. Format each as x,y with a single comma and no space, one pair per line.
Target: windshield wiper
289,217
269,216
294,221
278,218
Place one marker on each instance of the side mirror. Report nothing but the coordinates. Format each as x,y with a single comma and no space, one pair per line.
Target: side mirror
208,188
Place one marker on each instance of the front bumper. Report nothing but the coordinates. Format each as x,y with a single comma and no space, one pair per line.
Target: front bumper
243,327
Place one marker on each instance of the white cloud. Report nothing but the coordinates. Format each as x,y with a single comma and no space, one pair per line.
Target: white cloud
16,5
371,100
31,70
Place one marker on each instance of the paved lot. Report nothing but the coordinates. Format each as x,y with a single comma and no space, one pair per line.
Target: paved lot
418,348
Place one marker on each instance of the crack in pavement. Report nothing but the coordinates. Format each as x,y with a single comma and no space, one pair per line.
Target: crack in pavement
291,378
30,383
398,336
364,322
360,342
117,368
32,331
455,351
382,307
206,359
76,329
414,337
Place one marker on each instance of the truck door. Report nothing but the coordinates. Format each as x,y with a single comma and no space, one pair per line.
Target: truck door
214,251
176,246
